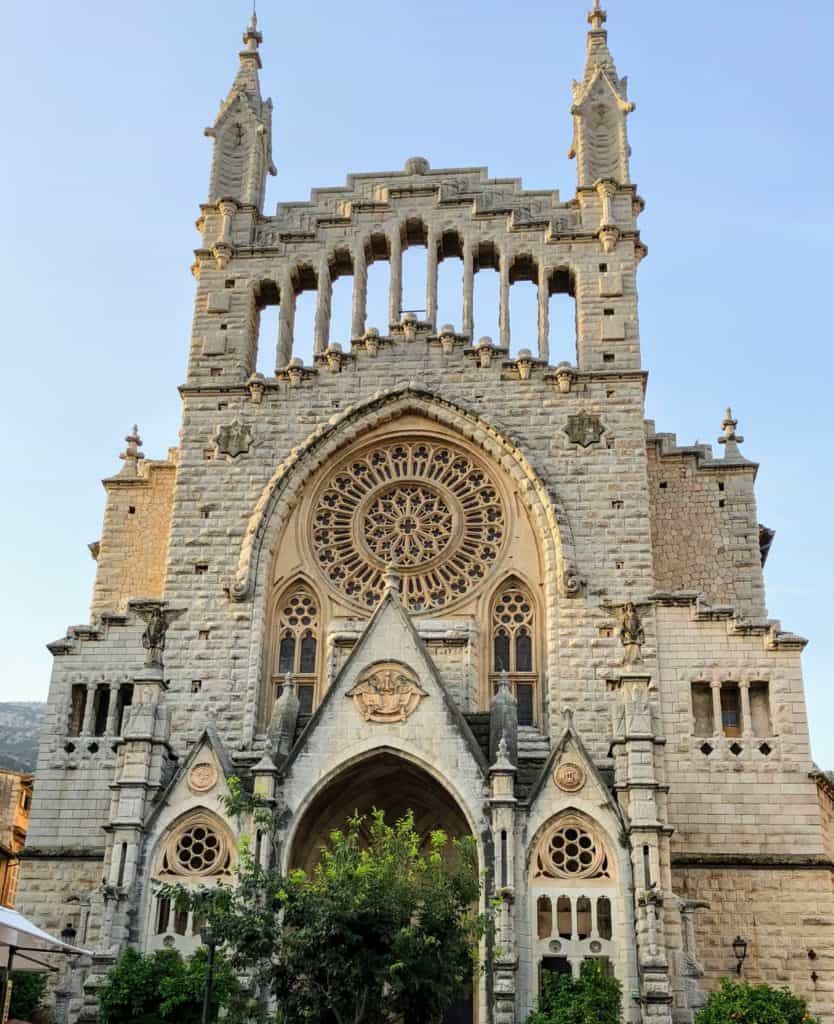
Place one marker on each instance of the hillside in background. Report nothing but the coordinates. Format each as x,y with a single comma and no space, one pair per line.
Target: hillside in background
20,725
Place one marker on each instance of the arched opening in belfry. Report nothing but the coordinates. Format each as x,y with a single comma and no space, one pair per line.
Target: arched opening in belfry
487,293
383,781
305,314
450,281
379,284
415,265
341,301
265,329
562,316
524,305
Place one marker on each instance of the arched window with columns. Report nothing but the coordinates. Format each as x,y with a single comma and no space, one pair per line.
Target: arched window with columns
573,895
196,850
514,646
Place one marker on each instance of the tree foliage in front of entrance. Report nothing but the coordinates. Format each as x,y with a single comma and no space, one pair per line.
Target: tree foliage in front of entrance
592,998
736,1002
164,988
383,929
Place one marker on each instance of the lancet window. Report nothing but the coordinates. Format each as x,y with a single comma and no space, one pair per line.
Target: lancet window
297,645
514,646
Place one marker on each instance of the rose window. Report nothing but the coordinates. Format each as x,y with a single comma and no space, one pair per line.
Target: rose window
570,850
196,848
427,509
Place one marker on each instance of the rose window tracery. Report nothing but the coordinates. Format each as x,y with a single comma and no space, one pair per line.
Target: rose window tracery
425,507
571,850
197,848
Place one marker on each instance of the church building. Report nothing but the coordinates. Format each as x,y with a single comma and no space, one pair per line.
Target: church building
433,570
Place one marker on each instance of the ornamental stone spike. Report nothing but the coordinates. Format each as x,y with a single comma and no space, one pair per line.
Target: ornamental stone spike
730,438
132,456
393,579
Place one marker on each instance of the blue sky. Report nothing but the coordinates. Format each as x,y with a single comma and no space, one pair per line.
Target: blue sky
105,163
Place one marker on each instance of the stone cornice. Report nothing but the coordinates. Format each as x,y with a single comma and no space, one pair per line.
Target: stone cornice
755,861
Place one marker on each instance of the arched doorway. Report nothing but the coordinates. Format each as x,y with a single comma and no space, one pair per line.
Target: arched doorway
394,785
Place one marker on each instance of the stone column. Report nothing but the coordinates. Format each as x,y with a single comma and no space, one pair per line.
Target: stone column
715,688
395,294
431,278
467,319
544,314
502,810
286,323
360,291
112,710
324,297
504,301
89,722
746,720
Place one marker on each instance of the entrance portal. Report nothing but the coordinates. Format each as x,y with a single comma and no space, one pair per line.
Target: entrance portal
391,784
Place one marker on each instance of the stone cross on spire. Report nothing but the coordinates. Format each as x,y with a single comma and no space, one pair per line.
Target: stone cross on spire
131,456
730,438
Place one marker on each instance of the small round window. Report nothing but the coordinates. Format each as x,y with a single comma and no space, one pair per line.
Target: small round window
197,848
570,849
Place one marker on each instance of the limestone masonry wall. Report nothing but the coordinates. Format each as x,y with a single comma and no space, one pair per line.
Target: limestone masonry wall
134,539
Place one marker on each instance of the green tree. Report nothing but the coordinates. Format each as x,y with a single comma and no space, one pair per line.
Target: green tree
383,929
592,998
162,987
736,1002
28,993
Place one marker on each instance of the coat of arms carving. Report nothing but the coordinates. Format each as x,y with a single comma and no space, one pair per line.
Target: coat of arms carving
387,693
233,439
584,428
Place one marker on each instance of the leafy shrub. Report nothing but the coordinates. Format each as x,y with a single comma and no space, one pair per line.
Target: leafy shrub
162,987
28,992
592,998
736,1002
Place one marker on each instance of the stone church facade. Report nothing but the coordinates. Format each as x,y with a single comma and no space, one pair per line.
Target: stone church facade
426,573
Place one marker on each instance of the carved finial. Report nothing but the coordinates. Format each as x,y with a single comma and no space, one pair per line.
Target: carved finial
132,456
567,716
252,37
597,17
730,438
504,681
502,755
289,682
393,579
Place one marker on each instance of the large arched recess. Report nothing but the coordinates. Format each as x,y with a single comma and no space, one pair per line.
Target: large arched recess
385,781
286,487
382,781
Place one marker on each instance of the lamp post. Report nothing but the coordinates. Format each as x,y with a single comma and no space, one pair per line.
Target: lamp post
740,950
211,942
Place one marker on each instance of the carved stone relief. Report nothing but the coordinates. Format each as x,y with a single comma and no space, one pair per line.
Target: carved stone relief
387,693
584,429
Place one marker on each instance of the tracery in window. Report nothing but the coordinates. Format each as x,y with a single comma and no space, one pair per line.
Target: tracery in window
571,849
197,849
297,629
513,645
427,507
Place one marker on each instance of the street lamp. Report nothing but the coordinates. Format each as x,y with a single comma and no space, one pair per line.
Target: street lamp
211,942
740,950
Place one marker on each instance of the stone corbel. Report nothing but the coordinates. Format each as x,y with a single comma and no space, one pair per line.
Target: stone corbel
609,236
257,387
371,341
295,372
565,376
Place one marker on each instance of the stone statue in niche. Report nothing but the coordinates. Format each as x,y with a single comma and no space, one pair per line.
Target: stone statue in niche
584,429
632,635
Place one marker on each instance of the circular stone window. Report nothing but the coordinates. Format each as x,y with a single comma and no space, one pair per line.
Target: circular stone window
570,850
196,848
426,508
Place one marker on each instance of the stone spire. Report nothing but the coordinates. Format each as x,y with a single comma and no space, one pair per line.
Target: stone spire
242,132
132,456
600,107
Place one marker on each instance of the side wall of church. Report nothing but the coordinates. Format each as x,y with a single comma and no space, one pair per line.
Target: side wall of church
784,915
134,539
53,888
705,533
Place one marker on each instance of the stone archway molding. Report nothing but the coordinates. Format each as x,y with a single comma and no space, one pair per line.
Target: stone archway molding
287,484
